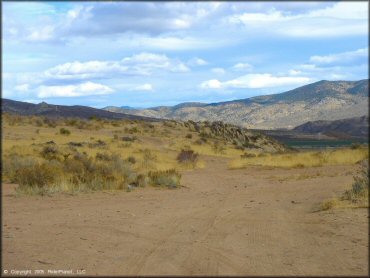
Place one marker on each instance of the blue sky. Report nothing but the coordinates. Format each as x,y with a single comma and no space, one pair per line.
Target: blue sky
147,54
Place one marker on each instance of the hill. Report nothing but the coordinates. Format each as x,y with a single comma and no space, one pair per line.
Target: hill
323,100
50,110
355,127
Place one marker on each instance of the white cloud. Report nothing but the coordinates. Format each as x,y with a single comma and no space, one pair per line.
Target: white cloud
341,58
211,84
294,72
144,87
255,81
197,62
218,71
22,88
139,64
83,89
242,67
45,33
341,19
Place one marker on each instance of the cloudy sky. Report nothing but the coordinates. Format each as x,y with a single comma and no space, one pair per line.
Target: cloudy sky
147,54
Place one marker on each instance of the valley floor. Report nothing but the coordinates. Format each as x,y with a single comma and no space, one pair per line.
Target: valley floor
254,221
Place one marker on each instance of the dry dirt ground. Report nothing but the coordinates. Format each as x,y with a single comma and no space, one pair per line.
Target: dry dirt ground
253,221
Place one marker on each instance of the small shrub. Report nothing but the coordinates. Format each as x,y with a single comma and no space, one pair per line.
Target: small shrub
50,122
187,156
148,158
128,138
168,178
360,187
103,156
64,131
76,144
142,180
218,148
328,204
355,146
247,155
40,175
50,152
131,159
189,136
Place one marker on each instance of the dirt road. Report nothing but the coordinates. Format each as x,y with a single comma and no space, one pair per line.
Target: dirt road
223,222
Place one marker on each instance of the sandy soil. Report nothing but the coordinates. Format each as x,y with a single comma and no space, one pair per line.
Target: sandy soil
223,222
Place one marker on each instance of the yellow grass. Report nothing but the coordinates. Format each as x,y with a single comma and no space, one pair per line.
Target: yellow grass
304,159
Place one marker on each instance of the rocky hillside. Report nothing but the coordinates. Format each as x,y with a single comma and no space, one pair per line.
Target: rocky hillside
323,100
240,137
354,127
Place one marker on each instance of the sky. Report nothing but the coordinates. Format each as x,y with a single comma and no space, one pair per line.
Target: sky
146,54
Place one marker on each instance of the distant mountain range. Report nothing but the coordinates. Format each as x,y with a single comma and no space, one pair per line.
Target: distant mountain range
50,110
323,100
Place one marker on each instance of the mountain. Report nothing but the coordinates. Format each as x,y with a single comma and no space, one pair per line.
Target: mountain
323,100
45,109
354,127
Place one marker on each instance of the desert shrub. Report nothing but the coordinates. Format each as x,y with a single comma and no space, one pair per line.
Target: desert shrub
13,162
142,180
38,176
201,141
103,156
247,155
148,158
124,145
169,124
50,122
189,136
204,134
131,130
128,138
50,152
360,186
328,204
168,178
187,156
355,146
97,144
131,159
218,148
76,144
115,123
64,131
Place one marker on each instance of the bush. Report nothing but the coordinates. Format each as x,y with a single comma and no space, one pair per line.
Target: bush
247,155
64,131
50,152
360,187
187,156
142,180
50,122
131,159
148,158
218,148
328,204
38,176
168,178
189,136
128,138
12,163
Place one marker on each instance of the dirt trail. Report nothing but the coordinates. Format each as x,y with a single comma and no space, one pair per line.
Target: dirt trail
223,222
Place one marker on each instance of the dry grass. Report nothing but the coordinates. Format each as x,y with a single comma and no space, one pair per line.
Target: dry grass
304,159
355,197
141,147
